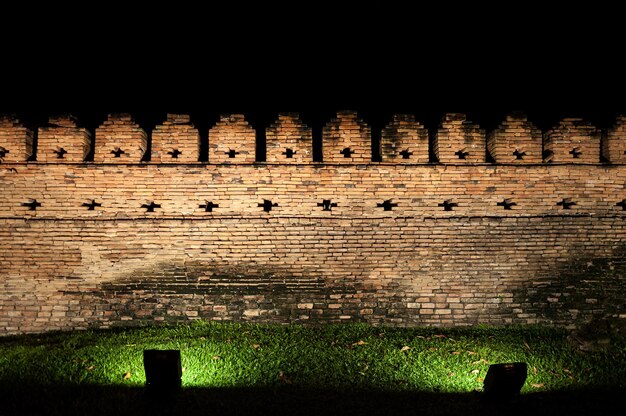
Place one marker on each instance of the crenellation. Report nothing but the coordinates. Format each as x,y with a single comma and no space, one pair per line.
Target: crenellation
120,140
516,140
459,140
175,141
404,140
573,140
16,140
63,141
289,140
614,144
347,139
232,140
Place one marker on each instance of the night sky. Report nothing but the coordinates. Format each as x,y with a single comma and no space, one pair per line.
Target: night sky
374,59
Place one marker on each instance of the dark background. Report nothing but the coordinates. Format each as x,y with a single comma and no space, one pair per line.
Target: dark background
379,59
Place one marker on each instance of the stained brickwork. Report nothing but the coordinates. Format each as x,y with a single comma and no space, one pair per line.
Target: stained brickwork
573,140
102,244
404,140
516,140
347,139
289,140
16,141
459,140
175,141
120,140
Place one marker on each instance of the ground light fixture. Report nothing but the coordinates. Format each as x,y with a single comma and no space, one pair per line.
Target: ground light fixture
504,381
163,370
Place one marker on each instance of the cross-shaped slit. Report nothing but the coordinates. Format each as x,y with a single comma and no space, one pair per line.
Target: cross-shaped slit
347,152
32,204
117,152
519,154
3,152
406,154
462,154
387,205
267,205
91,205
575,152
448,205
175,153
566,203
151,206
622,204
327,205
208,206
289,153
231,153
60,152
506,203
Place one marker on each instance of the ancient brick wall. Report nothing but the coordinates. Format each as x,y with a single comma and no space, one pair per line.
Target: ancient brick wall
449,243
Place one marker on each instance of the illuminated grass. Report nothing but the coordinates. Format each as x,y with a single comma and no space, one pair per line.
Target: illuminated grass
345,357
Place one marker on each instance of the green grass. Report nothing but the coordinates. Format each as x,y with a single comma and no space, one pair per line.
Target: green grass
336,357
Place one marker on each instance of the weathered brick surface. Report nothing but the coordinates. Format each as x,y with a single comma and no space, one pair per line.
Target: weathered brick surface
573,140
347,139
516,140
404,140
62,141
175,141
120,140
16,141
232,140
289,140
394,243
614,145
459,140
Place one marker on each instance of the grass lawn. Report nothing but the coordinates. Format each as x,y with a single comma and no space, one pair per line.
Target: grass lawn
335,369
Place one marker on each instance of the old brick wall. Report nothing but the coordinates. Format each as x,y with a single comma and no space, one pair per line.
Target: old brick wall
106,244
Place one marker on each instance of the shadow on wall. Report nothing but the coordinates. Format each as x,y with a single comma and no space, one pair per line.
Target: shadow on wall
586,287
291,400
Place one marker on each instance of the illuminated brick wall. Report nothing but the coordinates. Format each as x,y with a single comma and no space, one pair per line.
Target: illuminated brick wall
449,243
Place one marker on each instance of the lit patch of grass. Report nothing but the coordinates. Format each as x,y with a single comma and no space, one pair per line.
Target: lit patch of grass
341,357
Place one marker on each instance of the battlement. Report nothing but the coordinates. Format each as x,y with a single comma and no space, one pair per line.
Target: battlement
346,139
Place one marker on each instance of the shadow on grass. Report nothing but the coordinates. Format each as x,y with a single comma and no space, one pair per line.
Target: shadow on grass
287,400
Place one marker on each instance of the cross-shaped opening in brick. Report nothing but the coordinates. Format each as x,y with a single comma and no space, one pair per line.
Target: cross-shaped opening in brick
60,152
386,205
208,206
327,205
175,153
622,204
566,203
267,205
406,154
519,154
32,204
289,153
575,152
506,203
151,206
3,152
117,152
91,205
231,153
448,205
347,152
462,154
